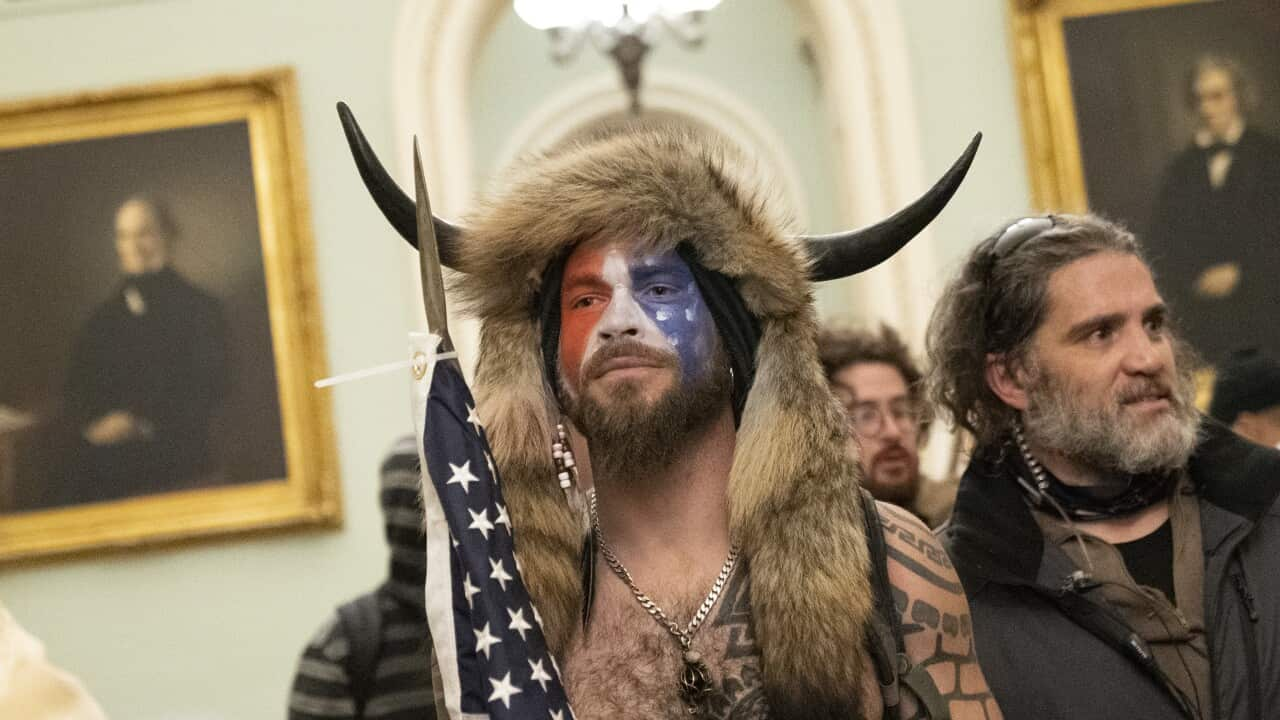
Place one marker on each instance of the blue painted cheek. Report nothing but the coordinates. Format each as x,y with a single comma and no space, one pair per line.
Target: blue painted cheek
688,326
680,313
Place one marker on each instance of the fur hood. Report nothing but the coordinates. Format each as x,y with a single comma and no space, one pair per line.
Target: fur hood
793,489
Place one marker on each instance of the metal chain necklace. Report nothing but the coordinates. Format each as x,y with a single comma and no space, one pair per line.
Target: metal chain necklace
1037,470
695,678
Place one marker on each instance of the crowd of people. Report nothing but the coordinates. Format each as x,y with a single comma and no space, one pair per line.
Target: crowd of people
1107,552
1104,554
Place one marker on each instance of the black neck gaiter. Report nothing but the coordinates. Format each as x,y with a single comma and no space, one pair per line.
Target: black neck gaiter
1083,503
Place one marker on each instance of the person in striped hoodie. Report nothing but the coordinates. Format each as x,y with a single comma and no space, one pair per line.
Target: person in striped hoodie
372,657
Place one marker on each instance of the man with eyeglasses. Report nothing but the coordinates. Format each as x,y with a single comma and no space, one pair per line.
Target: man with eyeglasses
1118,549
875,378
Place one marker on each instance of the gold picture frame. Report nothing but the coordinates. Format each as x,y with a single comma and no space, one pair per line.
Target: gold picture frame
231,147
1049,127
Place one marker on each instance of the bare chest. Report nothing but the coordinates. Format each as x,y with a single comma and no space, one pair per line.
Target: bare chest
626,665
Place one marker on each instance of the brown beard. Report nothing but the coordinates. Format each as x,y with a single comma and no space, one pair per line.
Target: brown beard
1106,439
630,437
899,493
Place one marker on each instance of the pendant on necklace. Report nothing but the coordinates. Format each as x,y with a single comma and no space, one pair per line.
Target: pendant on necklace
695,682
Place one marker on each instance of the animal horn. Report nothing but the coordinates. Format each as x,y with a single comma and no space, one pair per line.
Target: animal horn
395,205
840,255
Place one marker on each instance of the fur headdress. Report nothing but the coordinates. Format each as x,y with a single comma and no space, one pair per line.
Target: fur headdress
793,501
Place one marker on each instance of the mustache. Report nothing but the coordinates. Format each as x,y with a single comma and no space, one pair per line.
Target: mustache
595,367
896,451
1148,389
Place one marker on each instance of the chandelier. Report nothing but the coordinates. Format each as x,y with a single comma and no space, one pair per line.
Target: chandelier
623,30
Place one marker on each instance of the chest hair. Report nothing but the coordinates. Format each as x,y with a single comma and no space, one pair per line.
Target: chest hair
626,665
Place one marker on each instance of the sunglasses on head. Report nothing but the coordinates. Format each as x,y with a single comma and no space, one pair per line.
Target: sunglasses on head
1019,233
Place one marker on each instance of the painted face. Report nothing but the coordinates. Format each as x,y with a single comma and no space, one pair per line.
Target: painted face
611,299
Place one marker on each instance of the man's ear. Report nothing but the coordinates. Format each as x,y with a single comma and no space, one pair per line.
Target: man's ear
1006,381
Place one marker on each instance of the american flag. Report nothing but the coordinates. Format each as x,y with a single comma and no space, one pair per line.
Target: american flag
488,639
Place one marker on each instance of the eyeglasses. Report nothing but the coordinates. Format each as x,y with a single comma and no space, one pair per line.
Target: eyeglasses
868,419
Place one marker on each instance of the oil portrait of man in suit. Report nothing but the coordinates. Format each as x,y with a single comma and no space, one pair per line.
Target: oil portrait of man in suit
1218,216
139,357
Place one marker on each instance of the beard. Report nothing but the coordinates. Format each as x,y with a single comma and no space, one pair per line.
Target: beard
631,436
1108,437
899,485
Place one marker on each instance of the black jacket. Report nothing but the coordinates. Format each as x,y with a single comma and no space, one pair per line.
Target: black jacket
1047,652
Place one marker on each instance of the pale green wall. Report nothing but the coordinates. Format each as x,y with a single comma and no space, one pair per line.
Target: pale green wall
212,630
958,55
962,74
752,52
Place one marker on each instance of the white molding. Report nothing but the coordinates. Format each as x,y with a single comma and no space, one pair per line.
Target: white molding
594,98
432,62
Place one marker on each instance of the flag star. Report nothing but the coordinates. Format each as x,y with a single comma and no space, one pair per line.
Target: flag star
518,623
503,518
474,419
462,476
454,541
469,589
503,690
480,521
557,715
539,674
484,640
536,617
493,473
499,573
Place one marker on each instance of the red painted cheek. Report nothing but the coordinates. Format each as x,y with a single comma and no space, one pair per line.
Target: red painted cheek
575,332
582,274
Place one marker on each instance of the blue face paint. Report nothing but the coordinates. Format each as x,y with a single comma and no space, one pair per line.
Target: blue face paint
652,299
664,288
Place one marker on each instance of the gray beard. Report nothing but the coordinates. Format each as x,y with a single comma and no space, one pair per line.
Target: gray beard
630,440
1105,438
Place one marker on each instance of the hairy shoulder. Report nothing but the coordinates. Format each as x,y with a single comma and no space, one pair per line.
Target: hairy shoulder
934,614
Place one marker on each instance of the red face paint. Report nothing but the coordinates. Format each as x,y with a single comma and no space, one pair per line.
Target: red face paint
584,295
651,300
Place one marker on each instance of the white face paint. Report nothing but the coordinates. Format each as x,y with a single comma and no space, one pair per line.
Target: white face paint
623,314
653,300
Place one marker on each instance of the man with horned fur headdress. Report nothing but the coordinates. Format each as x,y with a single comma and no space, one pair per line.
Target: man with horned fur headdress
636,287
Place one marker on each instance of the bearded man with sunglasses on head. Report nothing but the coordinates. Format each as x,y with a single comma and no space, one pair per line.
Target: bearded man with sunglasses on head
1117,548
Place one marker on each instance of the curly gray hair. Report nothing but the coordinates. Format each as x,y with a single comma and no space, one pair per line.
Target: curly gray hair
994,306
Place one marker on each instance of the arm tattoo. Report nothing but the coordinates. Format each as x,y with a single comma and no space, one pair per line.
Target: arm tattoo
923,572
935,621
925,545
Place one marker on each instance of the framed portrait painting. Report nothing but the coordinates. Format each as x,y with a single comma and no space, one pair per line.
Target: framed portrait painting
1165,115
161,327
